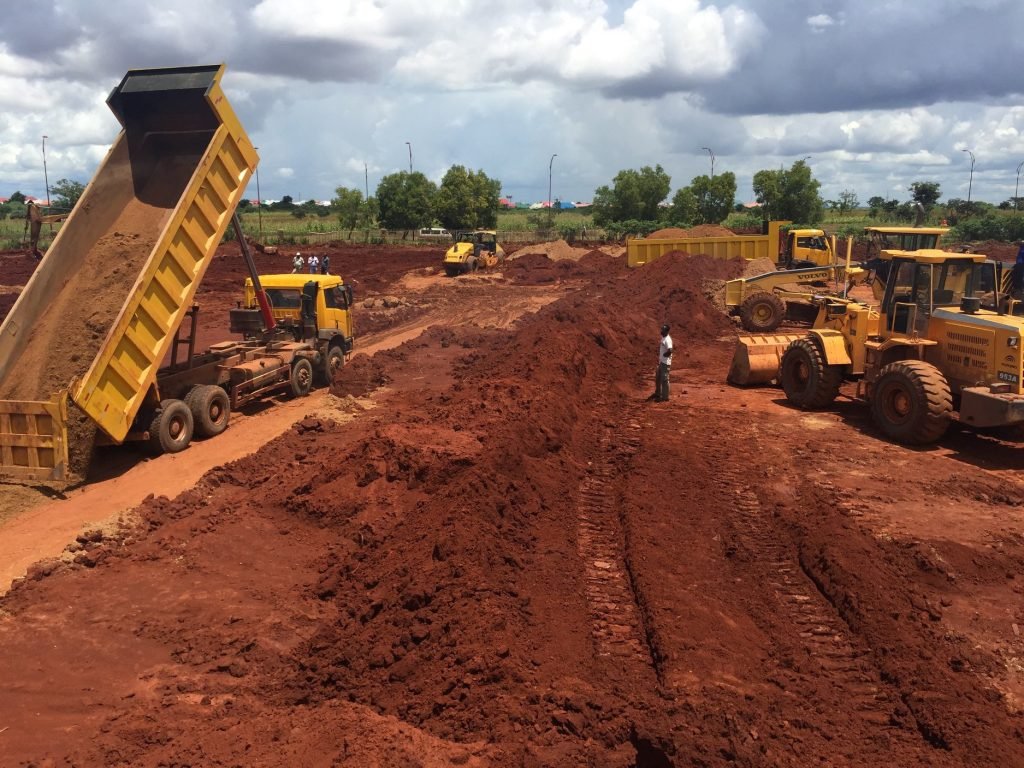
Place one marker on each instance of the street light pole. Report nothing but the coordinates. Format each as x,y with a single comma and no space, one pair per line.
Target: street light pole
1016,187
708,150
46,178
970,181
408,144
550,163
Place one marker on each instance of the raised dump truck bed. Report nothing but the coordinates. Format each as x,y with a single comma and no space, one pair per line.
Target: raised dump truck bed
101,311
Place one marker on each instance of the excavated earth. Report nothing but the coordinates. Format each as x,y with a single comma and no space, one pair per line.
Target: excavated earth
515,559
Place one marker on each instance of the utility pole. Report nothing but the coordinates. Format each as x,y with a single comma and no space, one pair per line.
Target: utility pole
708,150
1016,187
408,144
46,178
970,181
550,163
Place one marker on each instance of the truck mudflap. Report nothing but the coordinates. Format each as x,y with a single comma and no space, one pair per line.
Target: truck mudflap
981,407
33,439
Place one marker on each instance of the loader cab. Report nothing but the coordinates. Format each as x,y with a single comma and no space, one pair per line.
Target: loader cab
902,239
922,281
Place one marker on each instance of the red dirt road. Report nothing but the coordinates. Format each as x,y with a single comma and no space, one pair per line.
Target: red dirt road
513,559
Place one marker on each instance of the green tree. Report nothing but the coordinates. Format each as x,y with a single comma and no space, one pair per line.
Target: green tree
926,193
847,202
467,199
286,203
633,195
790,194
353,211
684,211
65,193
714,196
875,206
16,197
405,200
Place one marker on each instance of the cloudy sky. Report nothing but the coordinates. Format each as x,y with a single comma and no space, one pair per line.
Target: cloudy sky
879,93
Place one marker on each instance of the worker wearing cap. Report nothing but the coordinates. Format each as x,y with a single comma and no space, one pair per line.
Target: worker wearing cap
664,366
314,264
297,264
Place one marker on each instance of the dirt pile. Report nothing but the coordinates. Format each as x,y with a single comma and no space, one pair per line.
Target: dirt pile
538,269
556,251
701,230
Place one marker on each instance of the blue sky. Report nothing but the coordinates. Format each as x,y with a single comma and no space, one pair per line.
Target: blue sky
877,93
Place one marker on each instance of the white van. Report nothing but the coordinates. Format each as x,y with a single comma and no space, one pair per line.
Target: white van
435,233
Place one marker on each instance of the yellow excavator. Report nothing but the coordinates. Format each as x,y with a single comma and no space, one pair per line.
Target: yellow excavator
943,345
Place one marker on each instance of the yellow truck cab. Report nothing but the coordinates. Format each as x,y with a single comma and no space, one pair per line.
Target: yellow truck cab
316,309
472,251
806,248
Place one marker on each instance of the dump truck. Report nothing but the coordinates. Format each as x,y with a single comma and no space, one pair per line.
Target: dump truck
82,348
474,250
789,249
943,345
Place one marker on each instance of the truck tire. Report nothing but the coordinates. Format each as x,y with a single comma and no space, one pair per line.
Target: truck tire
211,409
333,362
171,428
762,312
301,378
911,402
807,381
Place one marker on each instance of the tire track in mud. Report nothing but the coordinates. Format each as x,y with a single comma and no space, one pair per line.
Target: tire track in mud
840,658
617,623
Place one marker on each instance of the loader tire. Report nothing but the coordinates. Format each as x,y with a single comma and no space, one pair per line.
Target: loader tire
171,428
762,312
911,402
301,378
807,381
333,362
211,409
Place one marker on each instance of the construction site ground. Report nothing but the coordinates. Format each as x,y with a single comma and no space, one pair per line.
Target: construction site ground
486,546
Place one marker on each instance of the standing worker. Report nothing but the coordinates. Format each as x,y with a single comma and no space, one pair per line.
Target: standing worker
297,264
664,367
325,265
314,264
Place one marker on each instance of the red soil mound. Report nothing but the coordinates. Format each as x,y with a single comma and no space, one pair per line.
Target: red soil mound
701,230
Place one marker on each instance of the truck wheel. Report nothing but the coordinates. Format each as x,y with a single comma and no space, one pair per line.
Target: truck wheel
911,402
211,409
171,429
762,312
333,362
807,381
301,378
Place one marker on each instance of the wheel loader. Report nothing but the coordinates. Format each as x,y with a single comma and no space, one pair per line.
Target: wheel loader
943,345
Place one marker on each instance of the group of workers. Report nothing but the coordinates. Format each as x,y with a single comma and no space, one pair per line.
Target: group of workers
315,263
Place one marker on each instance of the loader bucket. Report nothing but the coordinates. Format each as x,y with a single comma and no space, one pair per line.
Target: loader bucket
758,357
